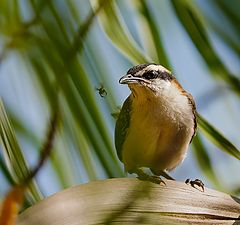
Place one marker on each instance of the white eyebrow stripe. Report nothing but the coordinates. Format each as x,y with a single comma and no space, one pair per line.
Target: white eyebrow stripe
150,68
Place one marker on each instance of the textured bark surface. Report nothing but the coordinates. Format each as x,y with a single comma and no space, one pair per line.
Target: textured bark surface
130,201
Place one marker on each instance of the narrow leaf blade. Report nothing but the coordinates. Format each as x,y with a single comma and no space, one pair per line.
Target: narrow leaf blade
217,138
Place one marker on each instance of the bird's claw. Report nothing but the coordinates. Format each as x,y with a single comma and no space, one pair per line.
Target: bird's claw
153,179
143,176
156,180
196,182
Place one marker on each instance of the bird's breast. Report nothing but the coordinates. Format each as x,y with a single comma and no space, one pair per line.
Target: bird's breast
159,133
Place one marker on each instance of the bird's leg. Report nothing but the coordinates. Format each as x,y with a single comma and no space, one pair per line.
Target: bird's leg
166,175
143,176
197,182
162,173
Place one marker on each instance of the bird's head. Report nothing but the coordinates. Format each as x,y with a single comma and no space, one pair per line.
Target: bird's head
147,79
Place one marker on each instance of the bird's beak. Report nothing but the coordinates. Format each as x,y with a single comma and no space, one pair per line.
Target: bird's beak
130,79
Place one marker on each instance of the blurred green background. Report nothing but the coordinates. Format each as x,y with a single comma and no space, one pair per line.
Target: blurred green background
67,50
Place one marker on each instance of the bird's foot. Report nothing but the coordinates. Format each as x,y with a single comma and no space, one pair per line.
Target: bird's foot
155,179
143,176
162,173
195,183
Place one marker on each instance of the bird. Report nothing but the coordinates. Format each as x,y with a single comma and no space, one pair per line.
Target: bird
156,124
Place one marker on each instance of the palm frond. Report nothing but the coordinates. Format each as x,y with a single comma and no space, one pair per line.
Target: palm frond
13,155
217,138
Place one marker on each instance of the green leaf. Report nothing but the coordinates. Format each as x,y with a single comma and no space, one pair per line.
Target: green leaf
156,36
217,138
197,32
119,34
16,163
204,161
6,172
76,88
229,9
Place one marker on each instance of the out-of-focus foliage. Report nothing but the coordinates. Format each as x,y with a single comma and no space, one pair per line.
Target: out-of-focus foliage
14,156
74,47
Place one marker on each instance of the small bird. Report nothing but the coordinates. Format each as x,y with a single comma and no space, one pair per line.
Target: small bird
156,124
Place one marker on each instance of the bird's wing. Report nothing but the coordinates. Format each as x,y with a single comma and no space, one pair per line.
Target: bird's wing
192,103
122,126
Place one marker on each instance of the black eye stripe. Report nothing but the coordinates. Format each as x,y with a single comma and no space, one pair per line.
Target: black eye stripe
150,75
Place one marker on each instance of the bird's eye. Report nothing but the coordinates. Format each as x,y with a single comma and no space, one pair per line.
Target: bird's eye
150,75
